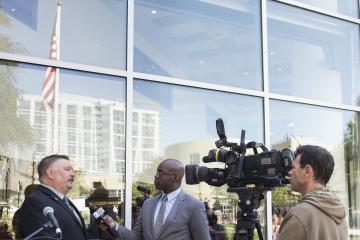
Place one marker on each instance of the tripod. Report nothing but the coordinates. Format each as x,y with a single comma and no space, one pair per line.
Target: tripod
247,219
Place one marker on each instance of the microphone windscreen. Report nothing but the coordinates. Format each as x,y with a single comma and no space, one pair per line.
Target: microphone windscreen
48,210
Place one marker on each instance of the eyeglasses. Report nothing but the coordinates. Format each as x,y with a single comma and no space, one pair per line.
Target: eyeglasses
160,172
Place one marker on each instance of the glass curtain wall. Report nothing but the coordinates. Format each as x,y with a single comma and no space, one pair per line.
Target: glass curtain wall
48,109
287,72
316,57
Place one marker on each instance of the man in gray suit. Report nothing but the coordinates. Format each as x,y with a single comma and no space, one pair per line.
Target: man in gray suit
172,214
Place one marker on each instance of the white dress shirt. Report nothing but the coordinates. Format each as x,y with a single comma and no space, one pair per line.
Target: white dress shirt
61,196
169,203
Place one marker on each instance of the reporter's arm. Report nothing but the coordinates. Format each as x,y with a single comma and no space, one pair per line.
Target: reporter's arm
124,233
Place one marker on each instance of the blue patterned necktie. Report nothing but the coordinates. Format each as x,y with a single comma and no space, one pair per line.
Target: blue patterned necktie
66,201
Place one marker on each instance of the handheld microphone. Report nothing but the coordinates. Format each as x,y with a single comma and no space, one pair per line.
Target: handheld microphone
49,212
98,214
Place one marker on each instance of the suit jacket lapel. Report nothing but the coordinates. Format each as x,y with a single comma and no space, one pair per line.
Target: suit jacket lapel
174,211
82,223
59,201
68,210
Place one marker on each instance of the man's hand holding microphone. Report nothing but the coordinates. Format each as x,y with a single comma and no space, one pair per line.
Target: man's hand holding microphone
106,222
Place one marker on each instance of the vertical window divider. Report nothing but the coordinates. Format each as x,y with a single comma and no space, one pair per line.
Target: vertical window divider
265,70
129,111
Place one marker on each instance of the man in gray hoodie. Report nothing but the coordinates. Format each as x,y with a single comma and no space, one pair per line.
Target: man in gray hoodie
320,214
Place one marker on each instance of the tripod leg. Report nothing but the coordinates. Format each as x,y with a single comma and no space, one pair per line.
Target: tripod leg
258,228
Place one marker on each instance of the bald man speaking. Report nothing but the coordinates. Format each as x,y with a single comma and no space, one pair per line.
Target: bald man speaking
172,214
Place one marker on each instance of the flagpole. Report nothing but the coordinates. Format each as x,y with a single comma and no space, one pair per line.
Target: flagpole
56,92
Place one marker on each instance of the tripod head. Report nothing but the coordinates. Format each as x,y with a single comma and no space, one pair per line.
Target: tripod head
247,219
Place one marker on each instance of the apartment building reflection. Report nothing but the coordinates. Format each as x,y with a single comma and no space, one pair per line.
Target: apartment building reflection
92,133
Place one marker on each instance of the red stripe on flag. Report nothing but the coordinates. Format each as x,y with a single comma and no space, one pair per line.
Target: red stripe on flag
49,88
49,85
49,76
49,91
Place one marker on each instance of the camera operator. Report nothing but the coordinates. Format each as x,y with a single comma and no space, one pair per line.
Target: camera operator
146,194
139,201
320,214
217,231
172,214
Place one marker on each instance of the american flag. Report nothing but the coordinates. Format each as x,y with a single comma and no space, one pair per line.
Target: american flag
49,85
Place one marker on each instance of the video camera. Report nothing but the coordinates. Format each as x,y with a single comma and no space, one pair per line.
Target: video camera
264,170
247,176
146,194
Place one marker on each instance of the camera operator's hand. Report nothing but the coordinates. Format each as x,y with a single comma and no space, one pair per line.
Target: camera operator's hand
110,222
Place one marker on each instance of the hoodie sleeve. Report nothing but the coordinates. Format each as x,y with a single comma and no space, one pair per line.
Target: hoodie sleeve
291,228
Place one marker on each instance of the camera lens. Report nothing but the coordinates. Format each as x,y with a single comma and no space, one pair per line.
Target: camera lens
191,174
195,174
287,156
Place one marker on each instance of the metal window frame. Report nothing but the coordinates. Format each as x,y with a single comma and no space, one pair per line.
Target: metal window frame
130,75
129,111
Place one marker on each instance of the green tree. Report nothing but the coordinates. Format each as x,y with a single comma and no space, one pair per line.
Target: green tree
14,130
283,196
352,159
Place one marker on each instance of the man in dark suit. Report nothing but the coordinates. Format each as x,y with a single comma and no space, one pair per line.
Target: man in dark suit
56,177
172,214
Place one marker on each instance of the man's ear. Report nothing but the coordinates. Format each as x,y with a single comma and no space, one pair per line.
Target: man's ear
49,173
309,171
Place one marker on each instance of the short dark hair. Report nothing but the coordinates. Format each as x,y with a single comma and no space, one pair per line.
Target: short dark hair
45,163
319,159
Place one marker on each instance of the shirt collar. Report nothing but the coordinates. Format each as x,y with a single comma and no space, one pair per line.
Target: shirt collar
60,195
172,195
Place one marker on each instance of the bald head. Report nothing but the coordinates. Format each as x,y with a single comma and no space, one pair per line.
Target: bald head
174,166
169,175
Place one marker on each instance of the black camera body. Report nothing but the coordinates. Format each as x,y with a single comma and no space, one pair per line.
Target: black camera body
265,170
146,194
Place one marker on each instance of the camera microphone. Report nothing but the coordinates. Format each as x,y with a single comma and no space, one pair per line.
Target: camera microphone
49,212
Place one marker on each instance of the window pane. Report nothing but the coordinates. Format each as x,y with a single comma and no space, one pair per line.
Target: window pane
183,121
81,128
309,51
91,32
346,7
337,131
209,41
